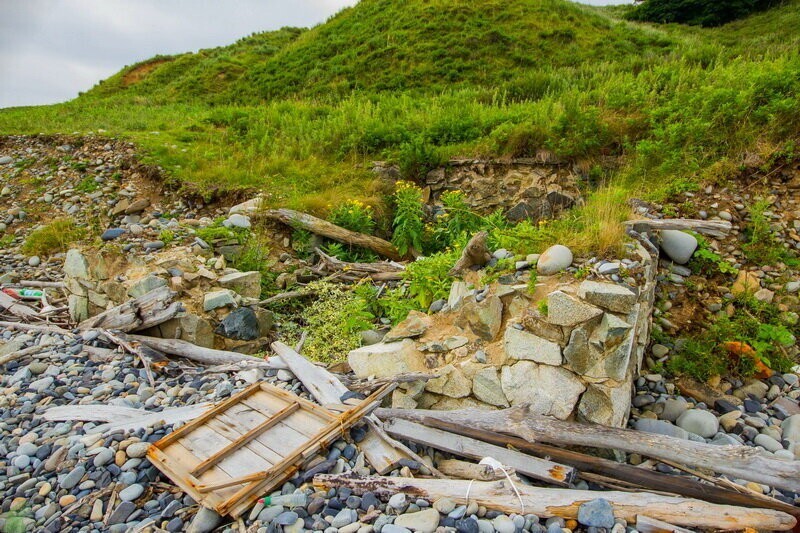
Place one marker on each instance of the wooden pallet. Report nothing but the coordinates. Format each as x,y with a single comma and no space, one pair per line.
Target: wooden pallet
245,446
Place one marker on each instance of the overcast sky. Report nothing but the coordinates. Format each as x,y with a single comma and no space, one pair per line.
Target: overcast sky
52,49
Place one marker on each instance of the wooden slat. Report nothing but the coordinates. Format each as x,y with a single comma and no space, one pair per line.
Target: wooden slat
202,419
311,407
247,437
204,442
302,421
272,445
534,467
177,465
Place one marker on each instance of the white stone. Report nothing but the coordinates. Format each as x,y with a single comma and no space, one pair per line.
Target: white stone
699,422
608,296
791,428
387,359
565,310
550,390
678,245
554,260
238,221
422,521
523,345
217,299
487,388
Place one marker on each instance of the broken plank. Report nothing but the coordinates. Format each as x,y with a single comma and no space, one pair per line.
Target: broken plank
641,477
463,470
738,461
244,439
646,524
534,467
383,455
17,307
206,356
714,228
123,417
148,310
564,503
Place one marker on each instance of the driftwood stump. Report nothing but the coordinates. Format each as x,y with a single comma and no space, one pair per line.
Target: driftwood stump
476,253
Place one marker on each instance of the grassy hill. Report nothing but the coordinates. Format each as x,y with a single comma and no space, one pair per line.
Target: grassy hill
300,113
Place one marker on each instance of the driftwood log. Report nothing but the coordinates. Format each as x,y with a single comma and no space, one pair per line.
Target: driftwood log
143,312
738,461
541,469
381,271
126,418
381,452
18,307
207,356
318,226
564,503
632,475
48,328
476,253
714,228
463,470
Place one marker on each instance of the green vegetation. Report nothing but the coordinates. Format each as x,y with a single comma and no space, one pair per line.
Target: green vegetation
53,238
759,325
706,261
300,113
762,246
334,321
698,12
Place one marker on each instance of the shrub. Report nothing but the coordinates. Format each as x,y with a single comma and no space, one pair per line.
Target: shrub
706,261
409,217
255,257
334,321
355,216
454,223
698,12
429,279
763,247
53,238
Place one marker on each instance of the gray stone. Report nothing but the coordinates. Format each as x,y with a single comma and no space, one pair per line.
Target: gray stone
565,310
204,521
238,220
398,501
112,233
487,388
414,325
767,442
523,345
605,405
673,408
130,493
76,265
6,160
483,318
121,513
247,284
451,382
217,299
145,285
240,324
596,513
608,296
554,260
548,389
678,245
661,427
503,524
699,422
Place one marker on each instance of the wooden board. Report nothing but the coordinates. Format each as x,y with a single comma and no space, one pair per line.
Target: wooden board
243,447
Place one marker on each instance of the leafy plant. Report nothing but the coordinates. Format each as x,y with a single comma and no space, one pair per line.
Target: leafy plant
763,247
397,303
457,220
706,261
255,257
166,236
87,185
334,321
542,307
533,279
355,216
409,217
428,278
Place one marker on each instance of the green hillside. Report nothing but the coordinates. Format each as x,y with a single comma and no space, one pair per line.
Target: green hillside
643,109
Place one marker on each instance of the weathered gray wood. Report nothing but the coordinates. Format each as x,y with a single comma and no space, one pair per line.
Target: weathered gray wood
144,312
564,503
23,326
714,228
206,356
741,462
327,389
122,417
534,467
316,225
476,252
646,524
17,307
463,470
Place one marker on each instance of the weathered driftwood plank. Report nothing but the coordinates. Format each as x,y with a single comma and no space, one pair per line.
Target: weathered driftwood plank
122,417
564,503
476,252
17,307
739,461
463,470
382,454
646,524
534,467
641,477
316,225
714,228
22,326
146,311
381,271
206,356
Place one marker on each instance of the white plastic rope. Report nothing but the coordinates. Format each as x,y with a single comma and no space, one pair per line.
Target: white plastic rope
497,465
